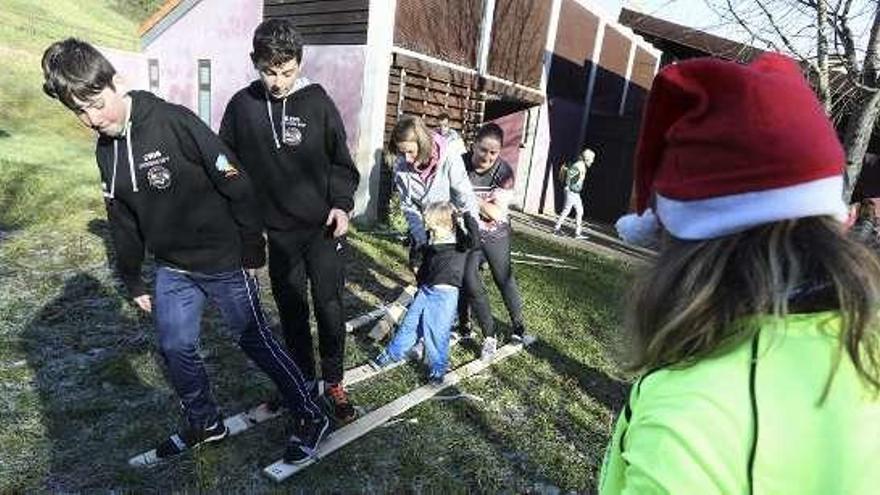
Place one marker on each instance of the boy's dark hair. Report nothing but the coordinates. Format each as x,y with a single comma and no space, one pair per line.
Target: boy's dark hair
443,115
492,130
72,69
276,42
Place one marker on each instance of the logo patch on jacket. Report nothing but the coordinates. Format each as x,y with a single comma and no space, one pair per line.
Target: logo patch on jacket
224,167
159,177
292,130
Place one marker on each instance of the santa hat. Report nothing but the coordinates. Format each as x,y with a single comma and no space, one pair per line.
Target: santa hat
725,147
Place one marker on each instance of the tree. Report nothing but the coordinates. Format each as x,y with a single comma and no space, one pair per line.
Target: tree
839,42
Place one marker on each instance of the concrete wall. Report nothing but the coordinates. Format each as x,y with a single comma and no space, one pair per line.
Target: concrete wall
340,70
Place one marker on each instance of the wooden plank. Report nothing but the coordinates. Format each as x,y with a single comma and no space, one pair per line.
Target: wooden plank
290,12
544,265
537,257
316,7
333,28
236,424
365,371
359,321
436,97
394,315
280,471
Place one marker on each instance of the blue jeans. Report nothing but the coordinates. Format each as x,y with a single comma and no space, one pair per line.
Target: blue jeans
180,298
430,315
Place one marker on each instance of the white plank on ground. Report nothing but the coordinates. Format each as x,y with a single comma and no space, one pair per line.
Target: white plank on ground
280,471
545,265
536,257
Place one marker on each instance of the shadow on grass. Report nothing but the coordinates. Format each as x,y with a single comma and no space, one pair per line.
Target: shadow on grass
86,382
609,392
4,134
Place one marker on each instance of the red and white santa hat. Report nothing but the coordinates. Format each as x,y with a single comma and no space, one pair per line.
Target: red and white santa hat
725,147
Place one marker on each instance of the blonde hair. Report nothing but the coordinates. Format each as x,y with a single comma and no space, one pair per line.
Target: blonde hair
438,219
690,303
588,154
411,128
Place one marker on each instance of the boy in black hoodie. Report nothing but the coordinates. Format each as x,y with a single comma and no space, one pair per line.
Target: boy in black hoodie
291,140
171,186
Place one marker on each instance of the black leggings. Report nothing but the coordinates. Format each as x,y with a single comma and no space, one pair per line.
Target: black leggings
496,251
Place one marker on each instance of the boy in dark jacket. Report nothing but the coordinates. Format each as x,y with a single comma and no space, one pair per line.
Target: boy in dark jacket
450,237
171,186
290,139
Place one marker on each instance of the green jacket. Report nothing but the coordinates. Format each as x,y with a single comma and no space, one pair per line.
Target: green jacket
691,430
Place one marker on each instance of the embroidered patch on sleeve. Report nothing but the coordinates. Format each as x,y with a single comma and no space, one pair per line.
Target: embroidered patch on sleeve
223,166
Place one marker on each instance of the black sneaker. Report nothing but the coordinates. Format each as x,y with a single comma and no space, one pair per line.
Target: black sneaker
303,444
519,329
191,438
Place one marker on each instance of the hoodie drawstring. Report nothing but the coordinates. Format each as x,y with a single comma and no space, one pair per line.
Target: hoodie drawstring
127,131
272,122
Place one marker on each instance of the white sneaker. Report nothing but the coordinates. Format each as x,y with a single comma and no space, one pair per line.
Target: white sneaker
490,345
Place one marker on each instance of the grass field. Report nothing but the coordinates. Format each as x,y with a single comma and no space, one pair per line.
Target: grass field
81,385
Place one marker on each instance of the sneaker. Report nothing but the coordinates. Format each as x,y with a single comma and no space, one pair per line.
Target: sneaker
343,411
303,444
191,438
417,351
519,329
490,345
436,380
557,232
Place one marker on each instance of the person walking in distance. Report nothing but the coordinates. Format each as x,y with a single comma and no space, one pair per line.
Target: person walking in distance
572,176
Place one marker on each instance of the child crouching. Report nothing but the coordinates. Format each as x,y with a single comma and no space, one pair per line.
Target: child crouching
430,316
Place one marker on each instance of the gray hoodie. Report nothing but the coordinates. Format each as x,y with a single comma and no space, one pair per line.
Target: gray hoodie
448,183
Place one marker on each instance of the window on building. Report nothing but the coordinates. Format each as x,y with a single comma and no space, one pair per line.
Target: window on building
205,90
153,67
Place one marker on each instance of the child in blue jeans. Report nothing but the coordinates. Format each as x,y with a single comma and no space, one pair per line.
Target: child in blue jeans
450,237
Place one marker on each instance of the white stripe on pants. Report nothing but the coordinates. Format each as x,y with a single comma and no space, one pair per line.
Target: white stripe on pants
572,199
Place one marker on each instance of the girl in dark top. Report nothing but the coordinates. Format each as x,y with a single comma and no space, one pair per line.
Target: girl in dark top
492,180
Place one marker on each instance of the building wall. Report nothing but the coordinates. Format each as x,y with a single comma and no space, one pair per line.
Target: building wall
340,70
216,30
132,66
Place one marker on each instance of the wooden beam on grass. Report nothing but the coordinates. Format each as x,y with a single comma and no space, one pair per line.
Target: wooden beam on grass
394,314
280,471
545,265
537,257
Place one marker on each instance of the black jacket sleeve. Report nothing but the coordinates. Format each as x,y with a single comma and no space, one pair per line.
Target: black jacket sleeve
344,176
129,246
202,145
227,127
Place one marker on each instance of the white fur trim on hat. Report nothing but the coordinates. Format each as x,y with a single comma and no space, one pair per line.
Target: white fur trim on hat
716,217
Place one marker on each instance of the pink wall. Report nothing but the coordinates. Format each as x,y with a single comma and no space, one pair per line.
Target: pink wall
132,66
538,170
221,31
512,125
340,70
217,30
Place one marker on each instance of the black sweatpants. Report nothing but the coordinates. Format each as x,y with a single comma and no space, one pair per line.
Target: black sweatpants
496,252
313,255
